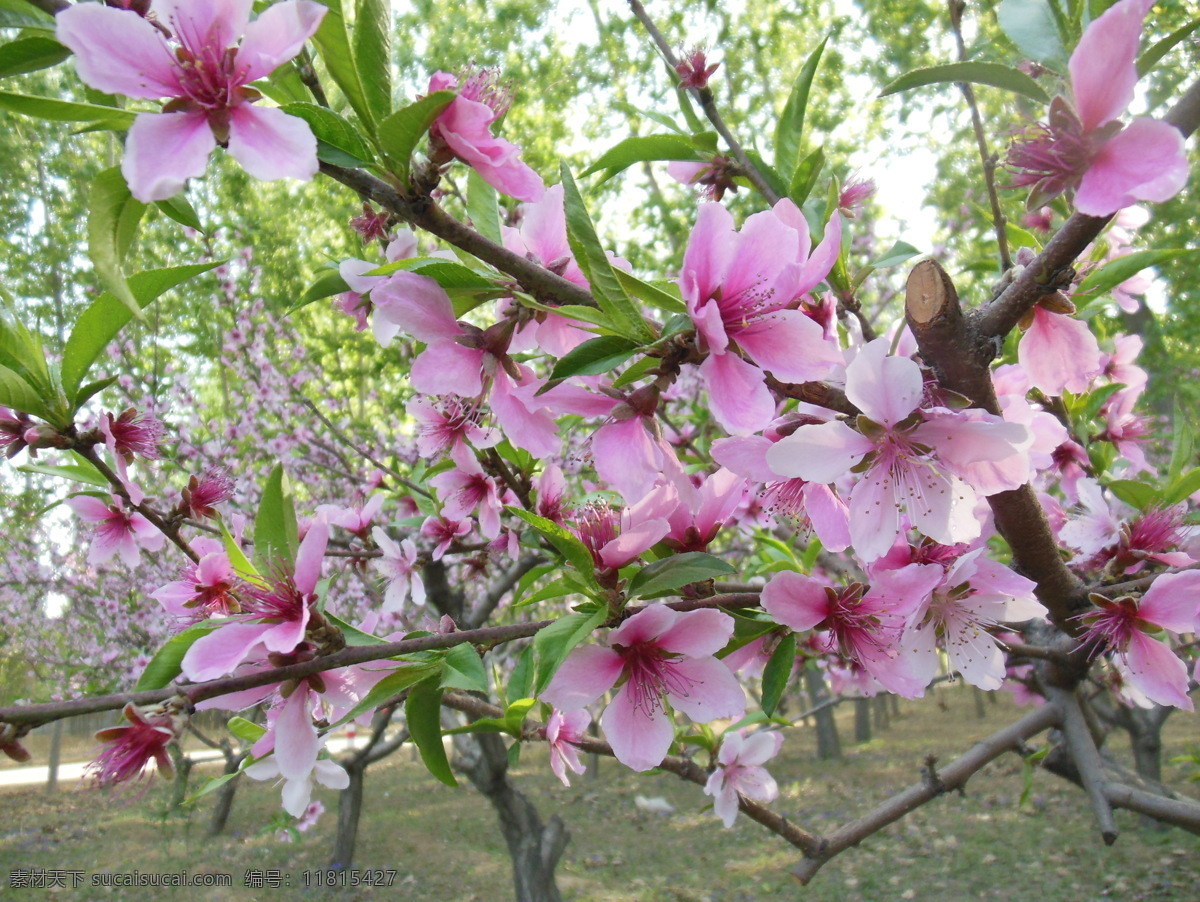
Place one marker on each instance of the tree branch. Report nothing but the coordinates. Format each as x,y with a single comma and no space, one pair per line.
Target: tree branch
1087,759
951,777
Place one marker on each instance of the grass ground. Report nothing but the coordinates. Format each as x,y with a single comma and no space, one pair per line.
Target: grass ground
444,844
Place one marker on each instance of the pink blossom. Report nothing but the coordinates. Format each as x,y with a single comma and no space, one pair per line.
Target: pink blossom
464,129
562,732
616,538
13,426
863,627
205,492
444,531
660,656
1123,626
713,177
551,488
372,225
1059,352
121,532
703,511
466,489
694,70
206,72
132,746
740,772
205,588
1109,165
741,289
354,519
399,566
895,441
445,424
275,616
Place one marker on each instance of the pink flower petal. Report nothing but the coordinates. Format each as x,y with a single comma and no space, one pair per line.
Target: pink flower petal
626,457
277,35
270,144
1145,161
309,557
697,634
448,368
640,738
709,253
829,516
817,266
644,626
1059,352
1156,671
163,151
796,601
874,515
1173,602
221,651
419,306
822,452
296,740
886,389
1103,70
737,395
586,674
713,693
197,23
790,346
117,51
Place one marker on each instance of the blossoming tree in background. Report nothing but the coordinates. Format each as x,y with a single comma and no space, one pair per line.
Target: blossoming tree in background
599,490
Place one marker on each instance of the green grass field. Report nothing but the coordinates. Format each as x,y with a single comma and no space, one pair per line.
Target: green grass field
444,843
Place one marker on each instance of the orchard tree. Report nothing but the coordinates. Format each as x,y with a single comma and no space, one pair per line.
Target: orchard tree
596,490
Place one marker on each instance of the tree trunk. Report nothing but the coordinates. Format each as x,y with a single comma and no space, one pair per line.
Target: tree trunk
829,746
183,770
534,848
225,794
349,809
55,757
980,710
883,713
862,720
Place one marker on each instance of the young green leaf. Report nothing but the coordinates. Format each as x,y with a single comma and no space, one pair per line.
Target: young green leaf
463,669
593,357
399,678
180,209
423,712
333,43
589,254
30,55
804,179
64,111
994,74
777,672
483,207
18,394
275,532
1148,60
372,55
106,316
246,730
642,148
343,145
1033,27
113,218
789,130
676,571
566,543
400,132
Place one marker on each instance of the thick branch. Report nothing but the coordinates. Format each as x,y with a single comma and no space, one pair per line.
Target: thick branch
1087,760
951,777
54,7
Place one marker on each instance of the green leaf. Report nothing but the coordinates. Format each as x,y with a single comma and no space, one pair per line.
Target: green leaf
372,54
343,145
804,179
64,111
237,557
1114,272
552,644
1019,237
423,712
30,55
106,316
246,730
774,180
179,209
397,680
167,662
463,669
566,543
895,255
1148,60
22,14
80,472
113,217
448,274
567,584
1183,487
789,130
352,634
676,571
400,132
993,74
664,121
520,681
776,673
1136,494
1183,440
642,148
1032,26
212,784
327,285
483,207
333,43
651,294
593,357
589,254
18,394
592,315
275,533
